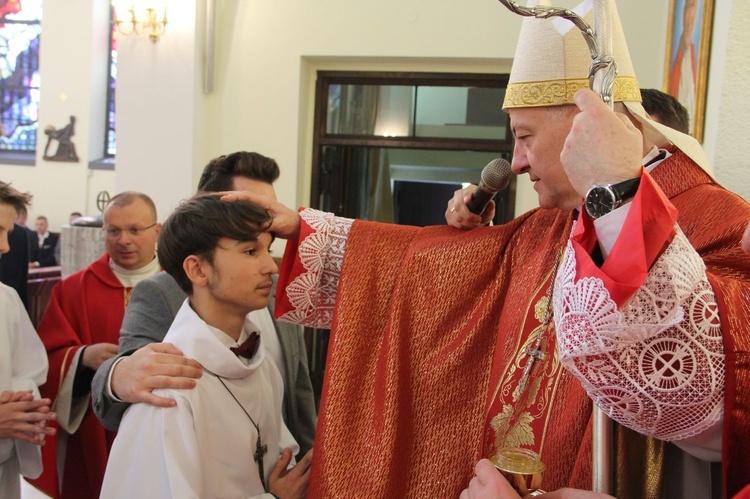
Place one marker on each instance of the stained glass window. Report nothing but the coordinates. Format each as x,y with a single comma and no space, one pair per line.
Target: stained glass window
110,142
20,29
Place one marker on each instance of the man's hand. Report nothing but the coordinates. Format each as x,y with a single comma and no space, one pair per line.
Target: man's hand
457,213
602,147
157,365
290,484
286,221
95,354
488,483
23,418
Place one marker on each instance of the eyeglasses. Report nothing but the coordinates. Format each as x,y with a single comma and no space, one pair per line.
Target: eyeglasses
114,233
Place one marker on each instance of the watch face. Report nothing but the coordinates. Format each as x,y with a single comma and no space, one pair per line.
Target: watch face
600,200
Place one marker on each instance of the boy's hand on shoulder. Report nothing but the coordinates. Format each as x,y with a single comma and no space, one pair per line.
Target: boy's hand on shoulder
157,365
290,483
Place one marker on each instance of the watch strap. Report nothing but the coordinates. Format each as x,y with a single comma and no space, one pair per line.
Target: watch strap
626,189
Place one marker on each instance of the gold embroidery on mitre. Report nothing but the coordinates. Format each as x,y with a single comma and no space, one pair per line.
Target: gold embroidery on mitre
561,92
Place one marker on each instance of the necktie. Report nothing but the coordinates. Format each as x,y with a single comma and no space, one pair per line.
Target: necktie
248,348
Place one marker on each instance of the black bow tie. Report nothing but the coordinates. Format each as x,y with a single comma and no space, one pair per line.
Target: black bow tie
248,348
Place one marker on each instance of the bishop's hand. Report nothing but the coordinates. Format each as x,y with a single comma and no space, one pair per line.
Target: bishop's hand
602,147
286,222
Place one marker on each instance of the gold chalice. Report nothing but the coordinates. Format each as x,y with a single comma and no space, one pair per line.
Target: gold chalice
521,467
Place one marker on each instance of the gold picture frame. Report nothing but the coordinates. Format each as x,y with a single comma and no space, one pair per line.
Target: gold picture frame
682,59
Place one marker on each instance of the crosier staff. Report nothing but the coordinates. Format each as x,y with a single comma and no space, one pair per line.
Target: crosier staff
602,74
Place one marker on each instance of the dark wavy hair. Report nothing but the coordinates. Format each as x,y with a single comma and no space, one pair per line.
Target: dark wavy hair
196,226
219,173
665,109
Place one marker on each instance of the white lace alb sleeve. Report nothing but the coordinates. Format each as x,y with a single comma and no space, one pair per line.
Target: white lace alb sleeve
657,364
313,292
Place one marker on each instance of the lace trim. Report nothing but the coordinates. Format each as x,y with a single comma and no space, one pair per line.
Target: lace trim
313,292
657,365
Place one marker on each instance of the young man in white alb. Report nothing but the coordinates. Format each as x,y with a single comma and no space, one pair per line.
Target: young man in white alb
226,436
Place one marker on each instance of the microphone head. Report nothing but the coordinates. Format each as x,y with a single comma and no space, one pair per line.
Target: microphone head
496,175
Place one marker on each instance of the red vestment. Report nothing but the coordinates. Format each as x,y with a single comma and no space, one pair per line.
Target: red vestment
427,345
84,309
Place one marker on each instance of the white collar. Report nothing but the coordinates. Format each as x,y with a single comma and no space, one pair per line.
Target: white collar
210,346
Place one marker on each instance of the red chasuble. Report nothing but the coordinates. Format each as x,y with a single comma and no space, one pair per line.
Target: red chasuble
427,350
84,309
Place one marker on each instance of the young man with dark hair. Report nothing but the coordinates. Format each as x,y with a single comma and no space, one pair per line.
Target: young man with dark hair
220,256
143,363
23,367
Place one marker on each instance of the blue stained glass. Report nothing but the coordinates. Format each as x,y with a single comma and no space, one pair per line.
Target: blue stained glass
110,137
20,30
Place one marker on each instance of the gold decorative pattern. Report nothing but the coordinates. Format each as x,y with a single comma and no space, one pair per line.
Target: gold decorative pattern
561,92
515,425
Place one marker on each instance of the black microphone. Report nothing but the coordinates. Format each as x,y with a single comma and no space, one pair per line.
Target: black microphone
495,177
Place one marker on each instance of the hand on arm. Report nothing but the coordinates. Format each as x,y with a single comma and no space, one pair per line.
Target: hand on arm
157,365
286,222
602,147
290,484
458,215
23,418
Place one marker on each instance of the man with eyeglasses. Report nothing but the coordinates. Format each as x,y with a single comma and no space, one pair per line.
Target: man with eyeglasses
80,330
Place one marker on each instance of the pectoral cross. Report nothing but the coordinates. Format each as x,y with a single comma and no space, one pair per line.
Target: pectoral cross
534,354
260,451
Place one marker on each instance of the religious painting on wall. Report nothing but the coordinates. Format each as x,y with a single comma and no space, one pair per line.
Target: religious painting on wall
688,48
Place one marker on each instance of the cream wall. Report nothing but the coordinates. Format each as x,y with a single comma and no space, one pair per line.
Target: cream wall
268,53
727,105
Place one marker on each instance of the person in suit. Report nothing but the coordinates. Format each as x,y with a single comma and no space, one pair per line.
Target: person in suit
14,266
30,235
141,365
46,244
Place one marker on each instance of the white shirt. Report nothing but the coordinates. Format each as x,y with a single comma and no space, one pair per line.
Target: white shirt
203,447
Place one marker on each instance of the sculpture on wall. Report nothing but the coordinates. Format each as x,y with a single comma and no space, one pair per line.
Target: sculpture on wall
66,149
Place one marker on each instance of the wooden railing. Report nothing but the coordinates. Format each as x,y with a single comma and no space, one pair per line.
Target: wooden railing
41,282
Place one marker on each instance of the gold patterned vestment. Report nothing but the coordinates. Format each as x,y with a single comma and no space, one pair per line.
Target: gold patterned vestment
427,343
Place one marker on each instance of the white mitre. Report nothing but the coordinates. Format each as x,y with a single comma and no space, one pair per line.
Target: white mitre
552,63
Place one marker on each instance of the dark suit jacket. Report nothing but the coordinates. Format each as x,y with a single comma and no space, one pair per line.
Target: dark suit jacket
152,308
33,243
46,252
14,265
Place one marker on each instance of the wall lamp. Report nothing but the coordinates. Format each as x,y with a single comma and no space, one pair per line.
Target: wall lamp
141,18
